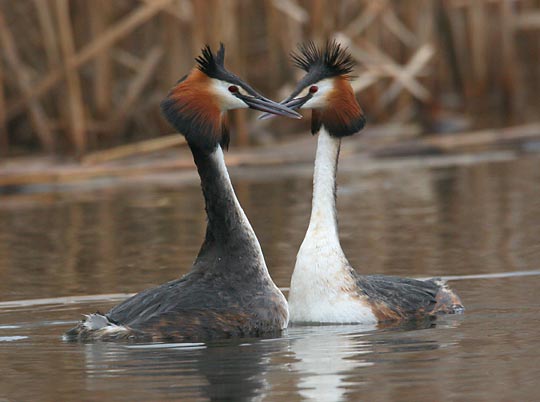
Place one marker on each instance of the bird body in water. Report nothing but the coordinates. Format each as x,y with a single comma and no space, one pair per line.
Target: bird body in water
228,292
324,287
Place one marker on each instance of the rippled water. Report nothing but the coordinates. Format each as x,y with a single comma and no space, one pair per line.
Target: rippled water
401,218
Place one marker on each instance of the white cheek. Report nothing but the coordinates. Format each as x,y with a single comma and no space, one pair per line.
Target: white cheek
320,98
226,99
318,101
230,101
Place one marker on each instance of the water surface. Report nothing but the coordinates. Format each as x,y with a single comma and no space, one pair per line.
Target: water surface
397,218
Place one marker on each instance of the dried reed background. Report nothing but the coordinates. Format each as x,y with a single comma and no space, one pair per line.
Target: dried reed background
78,75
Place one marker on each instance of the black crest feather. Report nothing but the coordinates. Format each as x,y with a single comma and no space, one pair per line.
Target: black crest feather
333,59
211,65
214,67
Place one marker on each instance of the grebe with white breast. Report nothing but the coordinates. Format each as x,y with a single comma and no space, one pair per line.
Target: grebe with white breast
228,292
324,287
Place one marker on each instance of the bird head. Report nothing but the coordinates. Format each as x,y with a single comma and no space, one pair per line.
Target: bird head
326,89
196,105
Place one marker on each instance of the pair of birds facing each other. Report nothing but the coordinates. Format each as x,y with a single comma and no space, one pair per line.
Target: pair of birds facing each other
229,292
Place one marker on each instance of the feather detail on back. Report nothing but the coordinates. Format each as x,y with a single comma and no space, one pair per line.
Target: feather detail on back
396,298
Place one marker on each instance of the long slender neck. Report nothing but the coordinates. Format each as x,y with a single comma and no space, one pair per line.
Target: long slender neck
323,222
230,241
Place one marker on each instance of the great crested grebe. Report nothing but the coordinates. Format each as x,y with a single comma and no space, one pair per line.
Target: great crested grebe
228,292
324,287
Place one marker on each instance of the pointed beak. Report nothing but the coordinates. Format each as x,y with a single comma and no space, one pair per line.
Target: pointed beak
269,106
292,103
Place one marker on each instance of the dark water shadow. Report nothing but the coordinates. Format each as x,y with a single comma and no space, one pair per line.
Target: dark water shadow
229,370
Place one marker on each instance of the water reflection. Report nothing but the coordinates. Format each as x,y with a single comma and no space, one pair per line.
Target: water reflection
320,362
227,370
329,358
325,356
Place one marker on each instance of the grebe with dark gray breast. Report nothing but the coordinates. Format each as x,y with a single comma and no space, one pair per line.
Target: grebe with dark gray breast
324,287
228,292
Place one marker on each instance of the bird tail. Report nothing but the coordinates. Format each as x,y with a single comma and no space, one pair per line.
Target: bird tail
98,326
448,302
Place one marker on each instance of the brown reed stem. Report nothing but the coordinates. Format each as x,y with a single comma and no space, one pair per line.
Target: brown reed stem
74,98
100,13
116,32
23,82
4,138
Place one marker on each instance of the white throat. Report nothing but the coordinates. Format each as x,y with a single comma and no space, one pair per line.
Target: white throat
322,285
323,222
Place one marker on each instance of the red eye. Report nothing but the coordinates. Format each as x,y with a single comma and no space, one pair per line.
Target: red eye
233,88
313,89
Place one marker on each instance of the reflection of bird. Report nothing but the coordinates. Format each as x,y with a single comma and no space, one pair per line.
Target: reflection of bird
229,291
221,370
325,356
324,287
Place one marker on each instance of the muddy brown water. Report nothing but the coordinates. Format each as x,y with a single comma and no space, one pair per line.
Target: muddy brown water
422,218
